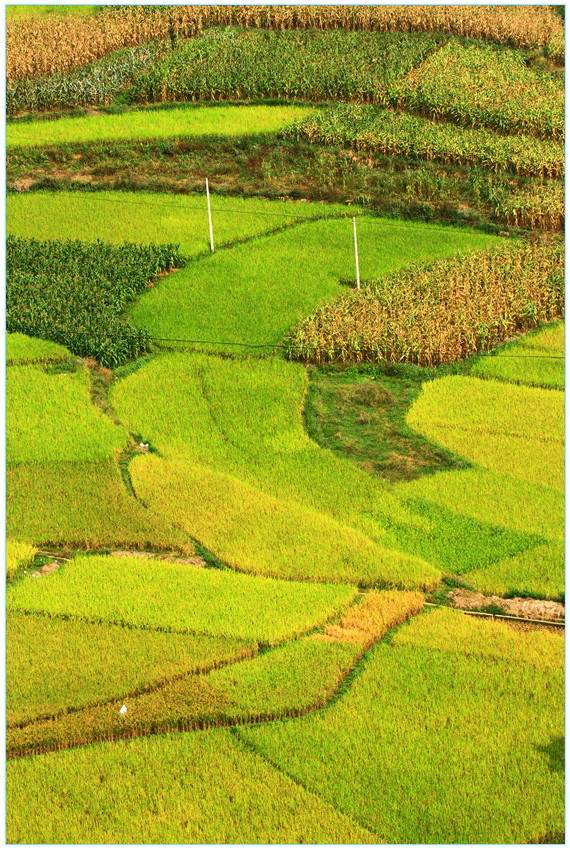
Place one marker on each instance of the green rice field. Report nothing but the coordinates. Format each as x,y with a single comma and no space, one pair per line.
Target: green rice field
540,364
85,663
225,794
180,597
21,348
156,124
157,218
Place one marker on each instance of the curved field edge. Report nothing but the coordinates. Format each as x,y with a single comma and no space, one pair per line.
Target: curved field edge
290,680
424,705
245,479
183,597
57,665
240,809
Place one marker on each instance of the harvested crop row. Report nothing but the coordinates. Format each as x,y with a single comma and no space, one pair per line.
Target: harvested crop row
44,46
405,317
74,293
368,128
484,86
286,682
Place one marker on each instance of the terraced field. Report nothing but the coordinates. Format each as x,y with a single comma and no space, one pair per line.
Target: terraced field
236,476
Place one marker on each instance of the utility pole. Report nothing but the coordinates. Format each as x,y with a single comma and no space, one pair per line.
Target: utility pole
210,217
356,254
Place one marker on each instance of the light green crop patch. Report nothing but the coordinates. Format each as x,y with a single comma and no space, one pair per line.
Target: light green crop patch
18,555
452,632
539,572
181,597
225,794
186,122
275,502
54,665
156,217
426,734
491,497
255,293
536,359
27,349
509,429
50,418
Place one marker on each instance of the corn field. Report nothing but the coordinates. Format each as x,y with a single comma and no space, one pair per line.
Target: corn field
75,293
39,46
484,87
370,129
538,207
438,313
254,64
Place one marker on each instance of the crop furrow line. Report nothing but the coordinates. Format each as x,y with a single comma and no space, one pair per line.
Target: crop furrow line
200,670
251,747
344,682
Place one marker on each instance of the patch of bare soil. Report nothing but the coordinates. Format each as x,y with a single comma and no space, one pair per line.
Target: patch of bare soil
194,560
533,609
46,569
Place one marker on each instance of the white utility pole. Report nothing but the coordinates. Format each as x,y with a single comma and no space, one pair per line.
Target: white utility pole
356,254
210,217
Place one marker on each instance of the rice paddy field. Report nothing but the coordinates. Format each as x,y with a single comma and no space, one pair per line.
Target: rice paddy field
250,468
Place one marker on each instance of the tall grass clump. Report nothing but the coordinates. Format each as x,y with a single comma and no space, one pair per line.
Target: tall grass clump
405,317
74,293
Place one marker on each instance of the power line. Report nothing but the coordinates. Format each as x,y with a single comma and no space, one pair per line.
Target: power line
350,210
277,345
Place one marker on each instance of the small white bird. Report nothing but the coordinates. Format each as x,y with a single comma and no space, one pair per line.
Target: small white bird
123,709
